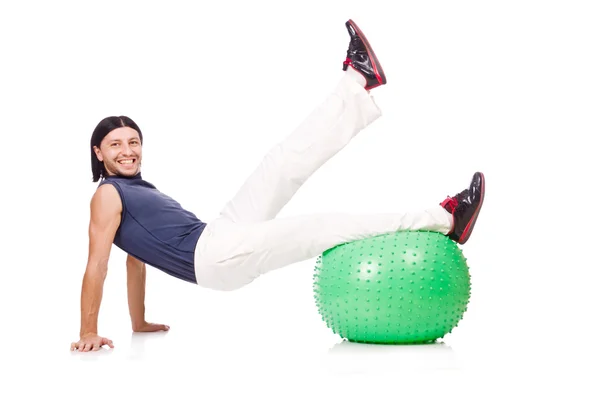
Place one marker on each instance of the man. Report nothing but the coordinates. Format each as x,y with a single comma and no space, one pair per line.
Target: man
246,240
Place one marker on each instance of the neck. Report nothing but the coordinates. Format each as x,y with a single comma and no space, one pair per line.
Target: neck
118,176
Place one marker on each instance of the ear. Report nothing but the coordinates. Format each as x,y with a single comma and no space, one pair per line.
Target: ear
98,154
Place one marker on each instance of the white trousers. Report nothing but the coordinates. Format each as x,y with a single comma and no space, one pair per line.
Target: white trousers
246,240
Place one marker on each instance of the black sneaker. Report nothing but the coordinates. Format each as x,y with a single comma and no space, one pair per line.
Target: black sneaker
465,207
362,58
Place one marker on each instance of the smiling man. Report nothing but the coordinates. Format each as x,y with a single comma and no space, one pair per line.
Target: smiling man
247,239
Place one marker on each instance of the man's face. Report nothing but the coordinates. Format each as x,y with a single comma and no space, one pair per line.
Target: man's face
121,152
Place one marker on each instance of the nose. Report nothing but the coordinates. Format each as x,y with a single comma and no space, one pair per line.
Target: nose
126,150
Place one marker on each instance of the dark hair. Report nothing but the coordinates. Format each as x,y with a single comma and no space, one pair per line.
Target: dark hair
104,128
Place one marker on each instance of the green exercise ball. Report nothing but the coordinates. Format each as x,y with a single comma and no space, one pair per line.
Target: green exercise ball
405,287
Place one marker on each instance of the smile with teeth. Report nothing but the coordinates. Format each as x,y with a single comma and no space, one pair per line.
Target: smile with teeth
127,161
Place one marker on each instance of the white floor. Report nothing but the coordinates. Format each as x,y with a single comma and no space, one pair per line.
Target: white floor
268,339
508,88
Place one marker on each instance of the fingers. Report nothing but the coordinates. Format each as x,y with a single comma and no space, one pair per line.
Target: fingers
91,345
160,327
152,327
75,346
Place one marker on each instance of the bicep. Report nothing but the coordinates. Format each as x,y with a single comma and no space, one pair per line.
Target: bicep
105,218
134,263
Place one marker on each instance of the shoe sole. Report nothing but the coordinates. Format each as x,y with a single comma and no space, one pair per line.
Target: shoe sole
378,69
467,232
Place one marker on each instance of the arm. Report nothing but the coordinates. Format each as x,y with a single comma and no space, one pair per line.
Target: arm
136,292
105,218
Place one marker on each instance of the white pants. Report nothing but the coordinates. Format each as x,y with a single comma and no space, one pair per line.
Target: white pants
246,240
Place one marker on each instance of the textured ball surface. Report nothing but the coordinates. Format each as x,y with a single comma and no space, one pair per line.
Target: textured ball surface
397,288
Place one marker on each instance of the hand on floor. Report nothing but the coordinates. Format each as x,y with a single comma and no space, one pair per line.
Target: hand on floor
91,342
151,327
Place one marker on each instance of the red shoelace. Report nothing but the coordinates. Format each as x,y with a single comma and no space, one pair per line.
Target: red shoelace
450,203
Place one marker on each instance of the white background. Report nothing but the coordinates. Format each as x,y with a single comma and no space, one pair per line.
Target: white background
509,88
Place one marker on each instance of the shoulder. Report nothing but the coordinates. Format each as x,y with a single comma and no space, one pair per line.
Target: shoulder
106,200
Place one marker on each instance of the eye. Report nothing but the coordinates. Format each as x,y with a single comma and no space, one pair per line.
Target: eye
114,144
